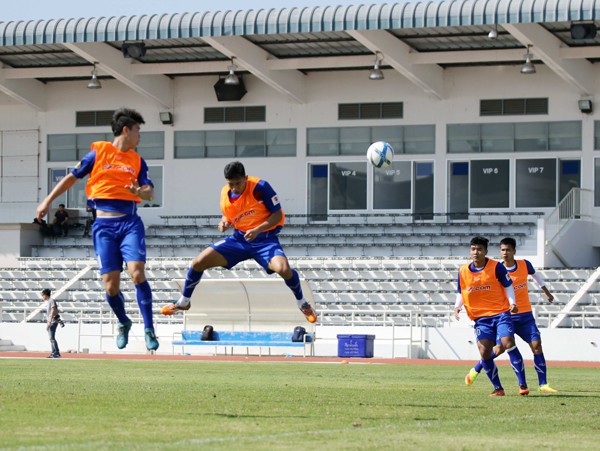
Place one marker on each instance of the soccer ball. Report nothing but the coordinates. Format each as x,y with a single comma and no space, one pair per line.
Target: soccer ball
380,154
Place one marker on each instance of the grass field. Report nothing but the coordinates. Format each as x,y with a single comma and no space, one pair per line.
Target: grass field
129,404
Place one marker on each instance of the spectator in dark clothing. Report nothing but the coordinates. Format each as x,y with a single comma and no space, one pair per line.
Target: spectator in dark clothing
61,221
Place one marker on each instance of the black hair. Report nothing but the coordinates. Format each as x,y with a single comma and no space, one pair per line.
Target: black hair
125,117
479,241
508,241
61,205
46,292
234,170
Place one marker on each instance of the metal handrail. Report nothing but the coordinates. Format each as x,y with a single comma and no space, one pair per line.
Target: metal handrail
577,204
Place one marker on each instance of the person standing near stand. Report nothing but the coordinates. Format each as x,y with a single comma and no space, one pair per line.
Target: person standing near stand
53,318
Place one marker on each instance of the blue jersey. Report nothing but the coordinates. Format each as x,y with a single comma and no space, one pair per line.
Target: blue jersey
85,166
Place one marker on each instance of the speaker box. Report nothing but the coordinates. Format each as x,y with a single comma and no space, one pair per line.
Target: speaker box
583,31
229,92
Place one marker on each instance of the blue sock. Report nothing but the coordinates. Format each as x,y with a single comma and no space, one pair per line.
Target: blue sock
143,294
294,284
516,361
479,365
117,304
491,370
191,280
539,363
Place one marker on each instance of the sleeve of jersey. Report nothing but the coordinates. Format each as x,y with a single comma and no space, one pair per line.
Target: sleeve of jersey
267,194
530,268
502,276
85,166
458,283
143,178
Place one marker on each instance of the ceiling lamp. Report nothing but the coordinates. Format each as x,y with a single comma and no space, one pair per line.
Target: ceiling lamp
376,73
94,82
528,67
493,34
232,78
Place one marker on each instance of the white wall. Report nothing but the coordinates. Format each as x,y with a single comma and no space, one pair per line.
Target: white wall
451,343
192,186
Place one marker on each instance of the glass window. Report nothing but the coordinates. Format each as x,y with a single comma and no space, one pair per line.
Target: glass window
348,186
536,183
569,177
354,140
85,140
596,182
281,143
250,143
564,135
423,208
497,137
597,135
62,147
156,175
531,136
152,145
409,139
220,144
76,196
189,144
419,139
463,138
393,135
392,186
489,183
55,176
323,141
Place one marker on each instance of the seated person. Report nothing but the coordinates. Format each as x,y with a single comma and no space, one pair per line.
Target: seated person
61,221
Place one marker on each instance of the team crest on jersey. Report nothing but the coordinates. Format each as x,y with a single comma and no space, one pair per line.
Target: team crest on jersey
275,199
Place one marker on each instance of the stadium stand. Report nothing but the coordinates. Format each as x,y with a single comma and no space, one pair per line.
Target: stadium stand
357,277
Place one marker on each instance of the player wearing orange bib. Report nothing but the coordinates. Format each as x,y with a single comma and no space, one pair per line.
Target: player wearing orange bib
523,321
485,290
118,180
252,208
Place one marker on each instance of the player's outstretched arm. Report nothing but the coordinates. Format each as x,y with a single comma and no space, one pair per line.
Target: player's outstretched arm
67,182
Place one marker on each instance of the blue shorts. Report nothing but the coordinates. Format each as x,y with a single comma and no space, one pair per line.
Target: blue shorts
263,248
525,327
490,327
118,239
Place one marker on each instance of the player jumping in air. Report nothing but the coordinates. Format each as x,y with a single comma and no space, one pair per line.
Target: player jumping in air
118,180
252,208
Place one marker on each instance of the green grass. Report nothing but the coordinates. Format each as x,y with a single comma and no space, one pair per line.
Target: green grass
115,404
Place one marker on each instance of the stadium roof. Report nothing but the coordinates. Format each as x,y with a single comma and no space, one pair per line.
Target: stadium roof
281,46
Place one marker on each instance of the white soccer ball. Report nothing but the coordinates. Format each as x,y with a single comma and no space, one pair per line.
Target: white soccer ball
380,154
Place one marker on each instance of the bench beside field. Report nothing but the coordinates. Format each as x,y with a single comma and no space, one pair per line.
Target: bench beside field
247,339
254,314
